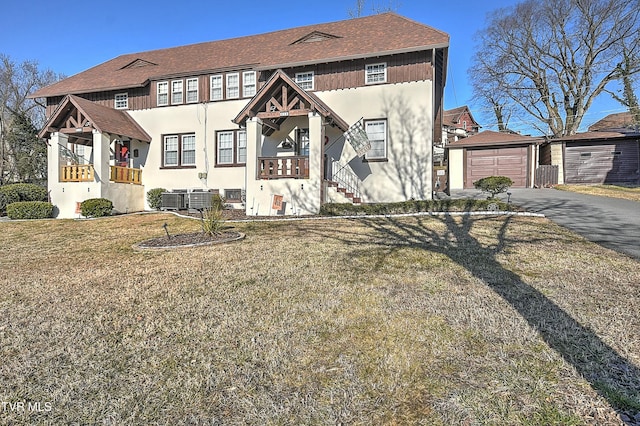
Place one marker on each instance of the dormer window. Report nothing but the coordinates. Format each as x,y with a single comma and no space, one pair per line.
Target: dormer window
122,101
176,92
248,84
163,93
192,90
375,73
305,80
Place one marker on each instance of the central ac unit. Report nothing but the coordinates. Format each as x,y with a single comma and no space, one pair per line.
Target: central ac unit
173,201
200,200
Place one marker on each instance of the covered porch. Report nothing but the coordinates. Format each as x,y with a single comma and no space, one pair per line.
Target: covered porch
286,129
94,152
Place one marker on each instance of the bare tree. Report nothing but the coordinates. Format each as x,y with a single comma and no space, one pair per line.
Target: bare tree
553,58
359,8
17,82
628,97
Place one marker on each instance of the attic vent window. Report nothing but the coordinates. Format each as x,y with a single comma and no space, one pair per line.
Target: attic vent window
315,36
137,64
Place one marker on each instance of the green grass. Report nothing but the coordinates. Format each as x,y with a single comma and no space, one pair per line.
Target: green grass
465,320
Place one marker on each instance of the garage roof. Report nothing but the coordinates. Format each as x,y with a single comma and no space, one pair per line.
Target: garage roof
491,138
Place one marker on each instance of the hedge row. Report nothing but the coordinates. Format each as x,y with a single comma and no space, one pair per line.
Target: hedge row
30,210
17,192
417,206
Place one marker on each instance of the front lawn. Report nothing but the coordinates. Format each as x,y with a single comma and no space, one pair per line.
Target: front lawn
418,320
614,191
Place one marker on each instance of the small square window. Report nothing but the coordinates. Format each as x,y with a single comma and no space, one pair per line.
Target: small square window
233,195
376,73
122,101
305,80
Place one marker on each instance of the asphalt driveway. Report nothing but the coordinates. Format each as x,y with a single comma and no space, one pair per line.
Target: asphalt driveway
610,222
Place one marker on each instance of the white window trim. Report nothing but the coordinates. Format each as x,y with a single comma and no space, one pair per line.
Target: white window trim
216,76
386,138
237,142
126,101
233,151
228,76
187,90
181,101
300,74
254,84
368,72
177,150
182,150
166,92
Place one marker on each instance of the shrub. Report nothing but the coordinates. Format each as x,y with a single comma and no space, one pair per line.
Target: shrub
30,210
10,194
29,191
493,185
16,192
96,207
212,221
154,198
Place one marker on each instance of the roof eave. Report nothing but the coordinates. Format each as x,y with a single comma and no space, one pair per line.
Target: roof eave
352,57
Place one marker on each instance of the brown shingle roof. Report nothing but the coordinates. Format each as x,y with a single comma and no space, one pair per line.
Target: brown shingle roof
102,118
374,35
490,138
602,135
613,121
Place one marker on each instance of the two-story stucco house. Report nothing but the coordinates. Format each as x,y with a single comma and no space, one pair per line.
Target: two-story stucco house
345,111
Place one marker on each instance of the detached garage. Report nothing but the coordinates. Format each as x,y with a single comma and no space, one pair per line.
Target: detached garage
492,154
596,157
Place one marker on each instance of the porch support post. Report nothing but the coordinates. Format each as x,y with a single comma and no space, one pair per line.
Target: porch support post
56,140
316,159
254,148
100,149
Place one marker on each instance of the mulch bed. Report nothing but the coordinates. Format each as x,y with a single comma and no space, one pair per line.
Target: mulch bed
189,240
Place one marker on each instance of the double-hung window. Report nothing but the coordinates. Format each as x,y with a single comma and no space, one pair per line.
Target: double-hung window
121,101
163,93
377,134
192,90
375,73
302,141
233,85
305,80
171,150
231,148
216,87
225,147
248,83
179,150
188,150
176,92
241,136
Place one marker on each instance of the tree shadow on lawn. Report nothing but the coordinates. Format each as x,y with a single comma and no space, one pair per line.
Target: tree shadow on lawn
610,374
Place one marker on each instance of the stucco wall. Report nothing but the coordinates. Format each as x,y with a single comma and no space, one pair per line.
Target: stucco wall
407,173
557,160
456,168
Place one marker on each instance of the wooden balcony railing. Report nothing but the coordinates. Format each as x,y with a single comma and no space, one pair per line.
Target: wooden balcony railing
77,173
125,175
283,167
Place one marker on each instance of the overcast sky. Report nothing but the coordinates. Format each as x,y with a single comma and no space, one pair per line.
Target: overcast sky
69,37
